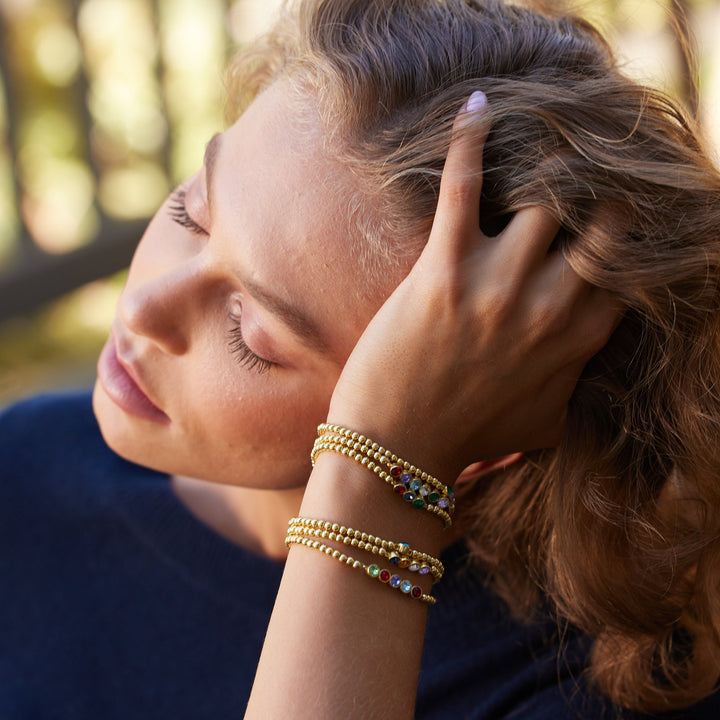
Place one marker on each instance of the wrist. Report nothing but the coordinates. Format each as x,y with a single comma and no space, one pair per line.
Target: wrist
346,492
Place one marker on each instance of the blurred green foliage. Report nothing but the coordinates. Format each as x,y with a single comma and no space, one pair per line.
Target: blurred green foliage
111,104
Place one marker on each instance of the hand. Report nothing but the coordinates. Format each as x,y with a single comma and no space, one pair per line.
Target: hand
477,351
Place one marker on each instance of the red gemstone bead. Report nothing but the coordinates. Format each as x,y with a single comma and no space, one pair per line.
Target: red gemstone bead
416,592
395,471
384,575
399,489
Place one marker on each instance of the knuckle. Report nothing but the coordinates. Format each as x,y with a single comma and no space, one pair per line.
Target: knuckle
461,192
497,303
551,318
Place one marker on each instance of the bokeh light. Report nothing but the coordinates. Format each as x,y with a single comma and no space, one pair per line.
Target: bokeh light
112,103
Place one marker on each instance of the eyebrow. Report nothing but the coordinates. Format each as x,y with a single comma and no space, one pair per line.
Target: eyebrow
303,326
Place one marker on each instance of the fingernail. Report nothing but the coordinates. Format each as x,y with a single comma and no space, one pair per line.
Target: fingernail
476,102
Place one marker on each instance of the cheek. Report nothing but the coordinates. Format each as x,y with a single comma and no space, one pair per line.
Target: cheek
258,429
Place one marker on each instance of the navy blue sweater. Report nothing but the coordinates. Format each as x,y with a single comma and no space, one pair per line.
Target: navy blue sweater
117,603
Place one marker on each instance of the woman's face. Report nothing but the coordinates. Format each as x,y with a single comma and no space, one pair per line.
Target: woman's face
241,307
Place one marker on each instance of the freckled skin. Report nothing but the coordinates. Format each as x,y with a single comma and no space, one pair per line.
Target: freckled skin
274,222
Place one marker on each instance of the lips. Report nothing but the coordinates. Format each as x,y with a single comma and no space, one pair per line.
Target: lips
122,388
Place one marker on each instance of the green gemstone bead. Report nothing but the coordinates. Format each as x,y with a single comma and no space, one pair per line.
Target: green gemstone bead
418,503
373,571
433,497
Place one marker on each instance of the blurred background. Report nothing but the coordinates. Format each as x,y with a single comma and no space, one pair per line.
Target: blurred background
105,105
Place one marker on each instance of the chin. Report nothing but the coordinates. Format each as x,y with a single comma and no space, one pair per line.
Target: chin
125,435
162,447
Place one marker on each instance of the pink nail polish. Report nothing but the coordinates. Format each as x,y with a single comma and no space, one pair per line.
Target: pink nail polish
477,101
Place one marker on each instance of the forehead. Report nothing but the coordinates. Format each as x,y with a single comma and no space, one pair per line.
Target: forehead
283,210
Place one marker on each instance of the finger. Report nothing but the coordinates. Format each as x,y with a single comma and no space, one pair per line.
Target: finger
556,278
602,312
524,243
457,219
575,316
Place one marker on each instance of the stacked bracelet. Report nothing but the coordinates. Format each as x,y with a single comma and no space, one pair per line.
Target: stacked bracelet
397,553
301,531
416,487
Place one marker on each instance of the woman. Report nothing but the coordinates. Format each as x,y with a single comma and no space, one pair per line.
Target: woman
315,269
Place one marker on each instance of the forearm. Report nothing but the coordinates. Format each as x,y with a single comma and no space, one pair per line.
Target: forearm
341,644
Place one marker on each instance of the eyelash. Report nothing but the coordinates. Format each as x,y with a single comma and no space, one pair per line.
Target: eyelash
245,356
178,213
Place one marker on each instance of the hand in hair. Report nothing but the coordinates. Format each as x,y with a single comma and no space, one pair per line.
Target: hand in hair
499,325
478,350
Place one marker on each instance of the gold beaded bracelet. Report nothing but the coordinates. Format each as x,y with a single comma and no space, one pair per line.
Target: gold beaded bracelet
416,487
397,553
373,570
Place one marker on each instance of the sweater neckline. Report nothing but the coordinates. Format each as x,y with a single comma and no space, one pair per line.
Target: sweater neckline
159,520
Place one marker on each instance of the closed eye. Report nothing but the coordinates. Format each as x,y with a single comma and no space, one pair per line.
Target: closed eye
245,356
179,214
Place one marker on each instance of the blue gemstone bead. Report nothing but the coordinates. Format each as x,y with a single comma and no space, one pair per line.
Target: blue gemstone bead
406,478
409,496
415,484
406,586
395,581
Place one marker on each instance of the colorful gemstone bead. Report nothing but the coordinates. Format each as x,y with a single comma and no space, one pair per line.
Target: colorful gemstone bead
416,592
443,503
395,471
414,567
409,496
384,575
418,503
399,489
403,547
425,490
403,562
415,485
395,581
373,571
424,569
406,586
406,478
394,558
433,497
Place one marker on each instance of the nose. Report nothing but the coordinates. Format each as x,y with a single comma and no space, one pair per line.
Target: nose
166,308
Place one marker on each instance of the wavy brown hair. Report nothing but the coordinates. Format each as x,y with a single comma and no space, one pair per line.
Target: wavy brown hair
619,526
